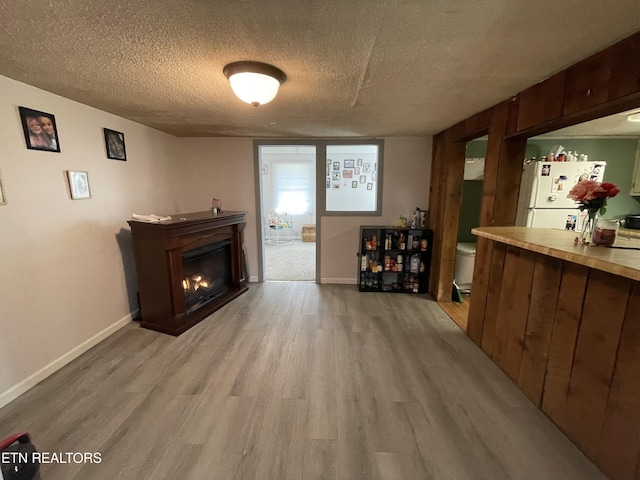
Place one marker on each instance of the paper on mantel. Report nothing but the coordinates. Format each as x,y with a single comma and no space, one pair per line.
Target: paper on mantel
153,218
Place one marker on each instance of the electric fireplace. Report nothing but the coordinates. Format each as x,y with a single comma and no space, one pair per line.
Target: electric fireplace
188,267
207,274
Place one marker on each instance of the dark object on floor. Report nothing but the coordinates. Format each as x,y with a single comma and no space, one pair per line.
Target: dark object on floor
456,296
18,450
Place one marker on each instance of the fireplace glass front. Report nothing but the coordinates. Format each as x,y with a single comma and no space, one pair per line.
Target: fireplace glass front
207,274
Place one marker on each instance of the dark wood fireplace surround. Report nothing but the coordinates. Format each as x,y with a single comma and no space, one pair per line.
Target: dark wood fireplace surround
158,249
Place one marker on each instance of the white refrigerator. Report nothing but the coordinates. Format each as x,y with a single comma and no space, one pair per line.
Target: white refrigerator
544,187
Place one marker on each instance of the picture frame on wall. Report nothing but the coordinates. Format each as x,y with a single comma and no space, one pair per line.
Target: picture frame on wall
114,143
3,195
79,184
349,163
40,130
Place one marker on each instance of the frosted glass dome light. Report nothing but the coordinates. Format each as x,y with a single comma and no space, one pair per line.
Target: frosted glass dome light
253,82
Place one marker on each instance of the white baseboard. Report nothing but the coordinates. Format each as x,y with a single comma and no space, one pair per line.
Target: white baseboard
32,380
253,278
340,281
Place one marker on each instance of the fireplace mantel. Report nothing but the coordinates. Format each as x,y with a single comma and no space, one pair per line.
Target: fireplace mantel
159,249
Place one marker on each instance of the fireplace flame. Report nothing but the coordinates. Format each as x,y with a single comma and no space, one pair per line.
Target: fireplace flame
195,283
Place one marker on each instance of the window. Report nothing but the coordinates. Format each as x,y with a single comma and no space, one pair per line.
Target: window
353,178
293,187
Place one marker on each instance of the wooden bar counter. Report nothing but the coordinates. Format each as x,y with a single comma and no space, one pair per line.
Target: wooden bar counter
563,322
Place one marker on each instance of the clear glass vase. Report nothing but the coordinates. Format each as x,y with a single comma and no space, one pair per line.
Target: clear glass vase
587,229
605,232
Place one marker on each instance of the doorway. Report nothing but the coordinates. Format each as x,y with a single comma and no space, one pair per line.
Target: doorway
469,218
287,209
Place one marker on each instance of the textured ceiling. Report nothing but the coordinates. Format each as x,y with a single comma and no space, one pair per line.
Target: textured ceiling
355,68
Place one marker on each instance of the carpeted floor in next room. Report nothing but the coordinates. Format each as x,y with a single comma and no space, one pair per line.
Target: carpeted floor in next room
296,262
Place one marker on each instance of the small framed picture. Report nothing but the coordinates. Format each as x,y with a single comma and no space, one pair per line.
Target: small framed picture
328,182
40,131
114,141
336,165
363,179
265,169
349,163
366,168
356,171
359,162
3,195
79,185
369,186
347,173
354,184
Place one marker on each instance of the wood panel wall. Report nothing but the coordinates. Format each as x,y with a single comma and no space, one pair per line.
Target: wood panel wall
605,83
569,337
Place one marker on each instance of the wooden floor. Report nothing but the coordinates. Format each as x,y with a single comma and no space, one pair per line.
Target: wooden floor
295,381
458,311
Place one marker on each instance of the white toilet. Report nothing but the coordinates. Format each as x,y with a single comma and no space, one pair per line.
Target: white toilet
465,259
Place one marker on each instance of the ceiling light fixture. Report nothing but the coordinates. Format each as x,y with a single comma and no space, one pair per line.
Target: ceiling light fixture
253,82
634,117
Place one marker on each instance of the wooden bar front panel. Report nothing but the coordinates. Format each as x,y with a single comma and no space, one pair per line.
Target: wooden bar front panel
569,337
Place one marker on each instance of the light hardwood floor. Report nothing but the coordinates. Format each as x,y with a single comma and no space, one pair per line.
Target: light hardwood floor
295,381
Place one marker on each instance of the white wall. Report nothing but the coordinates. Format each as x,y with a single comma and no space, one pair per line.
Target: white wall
407,169
67,277
220,168
223,167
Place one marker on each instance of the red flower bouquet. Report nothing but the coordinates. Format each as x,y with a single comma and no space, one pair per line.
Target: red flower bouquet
593,196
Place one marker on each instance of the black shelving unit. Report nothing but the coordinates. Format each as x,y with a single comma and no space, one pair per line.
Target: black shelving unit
394,259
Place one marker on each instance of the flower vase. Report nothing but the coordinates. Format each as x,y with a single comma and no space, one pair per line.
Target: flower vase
587,229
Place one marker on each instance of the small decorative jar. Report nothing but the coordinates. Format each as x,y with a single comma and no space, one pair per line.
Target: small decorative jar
605,231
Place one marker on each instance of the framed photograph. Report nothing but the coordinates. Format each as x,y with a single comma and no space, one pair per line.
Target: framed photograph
265,169
354,184
369,186
336,165
328,182
349,163
359,162
363,179
3,195
114,141
335,185
356,171
336,176
366,168
347,173
40,131
78,185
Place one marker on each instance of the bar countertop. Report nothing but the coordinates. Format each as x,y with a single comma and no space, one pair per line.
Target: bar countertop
624,262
